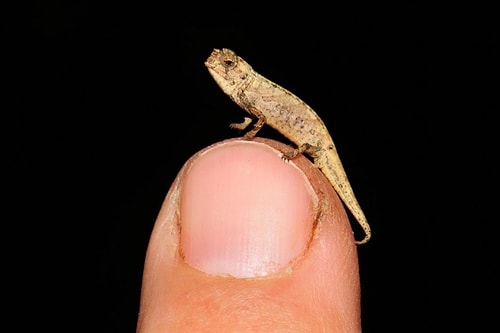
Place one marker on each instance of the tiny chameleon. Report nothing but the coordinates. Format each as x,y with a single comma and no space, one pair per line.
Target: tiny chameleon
272,104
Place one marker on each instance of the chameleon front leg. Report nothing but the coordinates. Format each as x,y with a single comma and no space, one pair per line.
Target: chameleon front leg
261,120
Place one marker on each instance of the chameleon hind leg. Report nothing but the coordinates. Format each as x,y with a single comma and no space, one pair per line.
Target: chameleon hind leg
304,148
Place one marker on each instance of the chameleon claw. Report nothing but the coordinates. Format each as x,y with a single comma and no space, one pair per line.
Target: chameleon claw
241,126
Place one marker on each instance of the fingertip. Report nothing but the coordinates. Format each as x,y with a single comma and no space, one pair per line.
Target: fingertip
225,221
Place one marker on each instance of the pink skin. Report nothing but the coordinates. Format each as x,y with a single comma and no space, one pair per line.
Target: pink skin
247,242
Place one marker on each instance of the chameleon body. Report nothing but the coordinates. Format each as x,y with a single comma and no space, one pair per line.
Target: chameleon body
277,107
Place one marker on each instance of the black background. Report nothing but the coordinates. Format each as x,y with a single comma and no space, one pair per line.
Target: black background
103,103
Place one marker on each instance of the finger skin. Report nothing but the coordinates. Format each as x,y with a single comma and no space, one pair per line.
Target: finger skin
317,292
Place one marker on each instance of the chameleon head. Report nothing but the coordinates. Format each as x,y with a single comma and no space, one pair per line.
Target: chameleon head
228,70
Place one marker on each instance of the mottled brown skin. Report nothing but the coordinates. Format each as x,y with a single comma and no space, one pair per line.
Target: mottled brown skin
288,114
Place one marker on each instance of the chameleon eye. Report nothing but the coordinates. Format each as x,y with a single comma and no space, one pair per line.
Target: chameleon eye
228,62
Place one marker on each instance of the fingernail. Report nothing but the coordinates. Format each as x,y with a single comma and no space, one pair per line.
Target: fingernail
244,211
